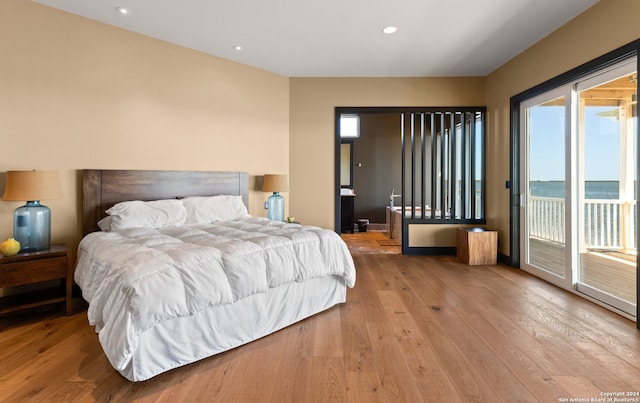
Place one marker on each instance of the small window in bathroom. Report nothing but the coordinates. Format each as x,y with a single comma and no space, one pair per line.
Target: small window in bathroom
349,126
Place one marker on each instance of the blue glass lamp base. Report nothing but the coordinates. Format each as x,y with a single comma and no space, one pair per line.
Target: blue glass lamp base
32,226
275,205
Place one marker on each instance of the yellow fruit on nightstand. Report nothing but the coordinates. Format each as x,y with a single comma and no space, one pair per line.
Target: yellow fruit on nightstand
10,247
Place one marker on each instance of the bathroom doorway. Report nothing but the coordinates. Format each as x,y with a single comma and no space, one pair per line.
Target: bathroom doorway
370,169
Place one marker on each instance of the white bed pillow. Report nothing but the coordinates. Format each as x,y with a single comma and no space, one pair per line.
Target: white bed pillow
105,223
151,214
207,209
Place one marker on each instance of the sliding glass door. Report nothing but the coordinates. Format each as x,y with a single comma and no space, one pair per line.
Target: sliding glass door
578,176
606,194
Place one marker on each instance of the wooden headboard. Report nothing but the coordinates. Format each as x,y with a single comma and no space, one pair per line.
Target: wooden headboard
102,189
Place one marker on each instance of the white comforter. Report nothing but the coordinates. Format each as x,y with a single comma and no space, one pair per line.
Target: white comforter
136,278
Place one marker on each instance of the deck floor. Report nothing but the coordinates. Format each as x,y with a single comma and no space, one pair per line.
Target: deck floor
613,273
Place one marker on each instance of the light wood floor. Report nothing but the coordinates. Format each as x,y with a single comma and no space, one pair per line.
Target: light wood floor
413,329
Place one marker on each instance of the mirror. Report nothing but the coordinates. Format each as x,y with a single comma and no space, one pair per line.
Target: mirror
346,164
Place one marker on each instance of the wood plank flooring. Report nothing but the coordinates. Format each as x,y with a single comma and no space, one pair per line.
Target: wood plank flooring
414,329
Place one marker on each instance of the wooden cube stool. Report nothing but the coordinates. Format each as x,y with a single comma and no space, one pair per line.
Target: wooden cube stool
477,246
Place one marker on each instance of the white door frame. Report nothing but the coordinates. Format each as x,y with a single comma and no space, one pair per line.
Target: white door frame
565,281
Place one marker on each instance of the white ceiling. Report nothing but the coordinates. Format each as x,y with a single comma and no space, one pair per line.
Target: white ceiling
343,38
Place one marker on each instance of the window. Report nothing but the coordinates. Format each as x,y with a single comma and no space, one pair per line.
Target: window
349,126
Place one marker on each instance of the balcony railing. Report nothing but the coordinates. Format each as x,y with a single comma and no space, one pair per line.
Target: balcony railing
607,224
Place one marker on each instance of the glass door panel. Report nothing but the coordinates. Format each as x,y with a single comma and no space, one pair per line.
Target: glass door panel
606,199
543,201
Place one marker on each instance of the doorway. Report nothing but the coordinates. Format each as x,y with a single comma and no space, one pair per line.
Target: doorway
578,171
413,168
370,169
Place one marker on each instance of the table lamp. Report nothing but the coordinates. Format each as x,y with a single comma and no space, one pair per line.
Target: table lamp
275,203
32,222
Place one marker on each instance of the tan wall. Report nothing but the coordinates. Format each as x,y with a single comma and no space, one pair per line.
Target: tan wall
604,27
79,94
313,102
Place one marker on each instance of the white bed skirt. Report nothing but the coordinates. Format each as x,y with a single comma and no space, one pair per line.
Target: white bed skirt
184,340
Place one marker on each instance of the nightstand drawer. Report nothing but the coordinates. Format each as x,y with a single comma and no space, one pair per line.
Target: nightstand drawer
34,271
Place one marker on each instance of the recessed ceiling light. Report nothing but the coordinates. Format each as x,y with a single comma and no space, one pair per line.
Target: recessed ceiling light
238,48
122,10
389,30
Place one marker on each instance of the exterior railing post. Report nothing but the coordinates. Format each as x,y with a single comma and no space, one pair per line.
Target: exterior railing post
608,224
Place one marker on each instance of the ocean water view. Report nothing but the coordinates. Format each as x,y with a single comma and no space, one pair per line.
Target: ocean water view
593,189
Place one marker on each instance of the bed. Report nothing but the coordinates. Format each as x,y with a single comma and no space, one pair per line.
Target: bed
178,271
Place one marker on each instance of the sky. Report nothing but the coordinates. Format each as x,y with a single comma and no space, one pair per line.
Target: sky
602,156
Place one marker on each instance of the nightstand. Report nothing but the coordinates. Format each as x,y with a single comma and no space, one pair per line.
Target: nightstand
36,267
